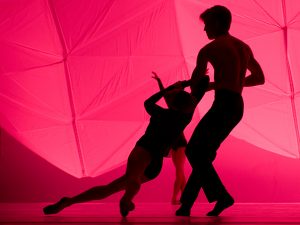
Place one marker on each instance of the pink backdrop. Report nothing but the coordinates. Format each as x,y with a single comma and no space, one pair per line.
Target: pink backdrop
74,75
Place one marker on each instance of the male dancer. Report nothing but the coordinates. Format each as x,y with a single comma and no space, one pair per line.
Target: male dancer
230,58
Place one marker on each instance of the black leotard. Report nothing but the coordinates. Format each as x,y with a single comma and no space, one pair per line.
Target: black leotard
163,130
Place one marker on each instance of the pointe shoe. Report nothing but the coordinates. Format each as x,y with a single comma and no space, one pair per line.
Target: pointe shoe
57,207
221,205
183,211
126,207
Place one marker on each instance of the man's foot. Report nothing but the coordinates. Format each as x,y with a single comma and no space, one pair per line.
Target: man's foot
126,207
57,207
221,205
183,211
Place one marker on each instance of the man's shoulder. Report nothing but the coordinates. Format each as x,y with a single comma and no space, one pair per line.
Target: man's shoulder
239,41
214,44
209,45
207,48
228,41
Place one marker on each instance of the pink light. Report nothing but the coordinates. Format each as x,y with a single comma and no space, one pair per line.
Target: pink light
74,75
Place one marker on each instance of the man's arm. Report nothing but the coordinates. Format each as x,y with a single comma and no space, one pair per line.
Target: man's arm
200,69
257,76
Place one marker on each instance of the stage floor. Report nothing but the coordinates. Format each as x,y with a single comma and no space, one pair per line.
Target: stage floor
150,213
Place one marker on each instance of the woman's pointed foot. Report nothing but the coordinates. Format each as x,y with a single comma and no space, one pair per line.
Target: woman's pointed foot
126,207
57,207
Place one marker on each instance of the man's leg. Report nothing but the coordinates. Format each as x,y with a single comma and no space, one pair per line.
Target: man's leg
193,149
227,117
204,176
201,152
190,193
214,190
212,185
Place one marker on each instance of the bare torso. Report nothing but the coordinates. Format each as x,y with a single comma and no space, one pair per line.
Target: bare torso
229,57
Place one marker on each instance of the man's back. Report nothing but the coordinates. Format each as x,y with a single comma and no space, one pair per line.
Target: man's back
229,56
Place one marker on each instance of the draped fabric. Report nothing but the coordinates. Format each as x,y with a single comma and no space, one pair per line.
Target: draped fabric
74,74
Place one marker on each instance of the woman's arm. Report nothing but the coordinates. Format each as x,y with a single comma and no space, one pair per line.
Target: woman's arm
160,84
161,87
179,84
150,104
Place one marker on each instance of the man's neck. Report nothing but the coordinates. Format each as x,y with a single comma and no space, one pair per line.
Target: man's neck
222,35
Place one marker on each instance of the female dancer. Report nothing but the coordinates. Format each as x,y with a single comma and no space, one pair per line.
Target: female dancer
145,160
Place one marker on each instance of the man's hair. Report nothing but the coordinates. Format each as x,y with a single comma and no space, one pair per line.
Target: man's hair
220,14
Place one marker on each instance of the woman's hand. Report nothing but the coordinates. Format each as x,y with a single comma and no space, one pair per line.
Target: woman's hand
155,76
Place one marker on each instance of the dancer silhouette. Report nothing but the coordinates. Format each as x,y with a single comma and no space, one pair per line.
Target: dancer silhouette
230,58
145,160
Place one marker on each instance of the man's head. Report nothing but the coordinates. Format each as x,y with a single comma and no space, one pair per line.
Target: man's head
217,20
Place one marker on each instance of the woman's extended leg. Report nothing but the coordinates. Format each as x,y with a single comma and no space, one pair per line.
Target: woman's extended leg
178,158
95,193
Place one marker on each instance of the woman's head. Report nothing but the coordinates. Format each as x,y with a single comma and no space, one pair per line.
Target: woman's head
182,101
